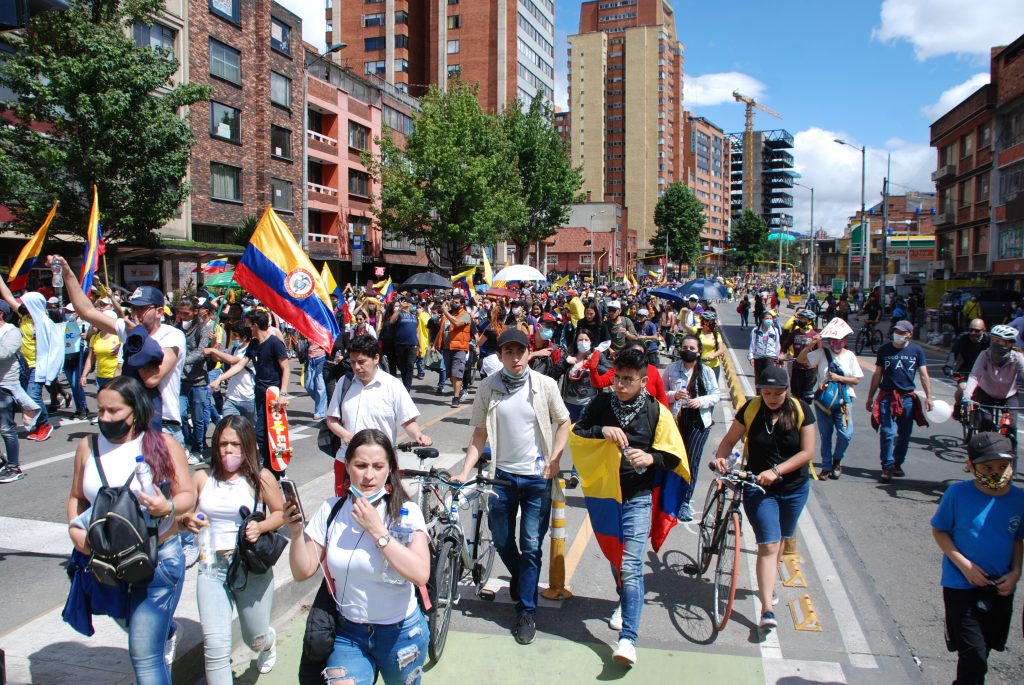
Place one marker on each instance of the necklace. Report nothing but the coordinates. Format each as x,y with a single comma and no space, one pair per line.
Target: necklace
769,422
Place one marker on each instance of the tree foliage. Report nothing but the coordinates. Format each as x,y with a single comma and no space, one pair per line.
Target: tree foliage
749,239
94,108
548,181
679,216
455,185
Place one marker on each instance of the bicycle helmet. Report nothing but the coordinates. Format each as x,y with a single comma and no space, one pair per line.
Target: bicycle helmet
806,314
1004,332
709,316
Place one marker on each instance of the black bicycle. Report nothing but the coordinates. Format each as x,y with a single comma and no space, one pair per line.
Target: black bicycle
868,336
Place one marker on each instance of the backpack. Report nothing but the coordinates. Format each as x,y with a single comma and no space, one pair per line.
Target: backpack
833,394
123,538
302,351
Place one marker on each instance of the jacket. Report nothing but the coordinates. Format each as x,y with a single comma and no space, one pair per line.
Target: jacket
708,400
458,336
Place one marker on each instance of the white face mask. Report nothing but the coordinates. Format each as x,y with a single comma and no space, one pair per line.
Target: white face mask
372,497
898,339
583,346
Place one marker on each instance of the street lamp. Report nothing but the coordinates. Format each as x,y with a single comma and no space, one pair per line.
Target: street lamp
305,138
865,228
810,273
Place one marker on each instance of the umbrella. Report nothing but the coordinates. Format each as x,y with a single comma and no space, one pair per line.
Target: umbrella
222,280
425,281
500,292
518,272
704,288
784,237
668,294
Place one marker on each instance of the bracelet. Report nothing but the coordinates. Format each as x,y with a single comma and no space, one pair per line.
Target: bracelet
775,470
171,514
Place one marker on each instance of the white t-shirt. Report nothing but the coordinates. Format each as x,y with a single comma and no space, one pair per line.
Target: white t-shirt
356,564
118,460
170,385
845,360
517,433
384,404
242,386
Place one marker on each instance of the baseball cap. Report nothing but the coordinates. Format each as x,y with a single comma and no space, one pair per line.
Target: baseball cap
146,296
5,308
905,326
989,446
643,312
513,335
52,300
773,377
614,304
548,318
693,297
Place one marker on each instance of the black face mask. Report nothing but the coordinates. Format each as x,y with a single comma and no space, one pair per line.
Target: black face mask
688,356
114,430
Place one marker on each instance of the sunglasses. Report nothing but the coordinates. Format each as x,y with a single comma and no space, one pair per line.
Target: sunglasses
976,330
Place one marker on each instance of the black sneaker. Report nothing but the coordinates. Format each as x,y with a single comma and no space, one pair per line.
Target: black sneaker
886,476
526,629
456,400
9,474
898,472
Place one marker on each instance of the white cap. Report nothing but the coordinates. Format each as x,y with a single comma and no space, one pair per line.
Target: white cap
70,307
614,304
53,300
110,314
643,312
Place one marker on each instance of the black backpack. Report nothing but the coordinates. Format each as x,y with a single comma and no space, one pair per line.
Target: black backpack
122,537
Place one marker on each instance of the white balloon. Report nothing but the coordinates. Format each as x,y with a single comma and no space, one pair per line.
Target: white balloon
940,413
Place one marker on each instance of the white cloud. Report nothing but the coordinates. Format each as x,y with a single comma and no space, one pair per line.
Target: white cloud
314,21
716,89
561,69
833,170
950,27
951,97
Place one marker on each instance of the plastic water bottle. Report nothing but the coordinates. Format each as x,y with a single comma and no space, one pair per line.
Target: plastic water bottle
539,465
207,552
400,534
145,476
733,460
638,469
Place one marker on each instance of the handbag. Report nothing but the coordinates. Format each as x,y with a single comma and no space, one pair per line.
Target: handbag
253,557
322,621
833,394
432,359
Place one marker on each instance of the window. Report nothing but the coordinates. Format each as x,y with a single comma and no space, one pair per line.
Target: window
584,259
280,89
373,19
966,194
1011,183
374,43
1011,241
358,183
225,62
281,194
280,36
455,21
376,67
454,70
228,9
1011,129
280,142
401,66
984,136
983,187
401,18
225,122
453,47
401,41
156,36
225,182
358,136
397,121
967,145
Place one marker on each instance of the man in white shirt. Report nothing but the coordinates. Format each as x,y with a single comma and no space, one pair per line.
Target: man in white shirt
370,400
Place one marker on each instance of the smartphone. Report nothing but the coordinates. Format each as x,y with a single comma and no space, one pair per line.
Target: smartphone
291,495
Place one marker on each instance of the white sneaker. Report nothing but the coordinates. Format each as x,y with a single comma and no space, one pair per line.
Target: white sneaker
625,653
191,554
268,657
171,648
615,622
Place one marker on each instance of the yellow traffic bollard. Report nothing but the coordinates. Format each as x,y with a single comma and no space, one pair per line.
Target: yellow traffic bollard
556,570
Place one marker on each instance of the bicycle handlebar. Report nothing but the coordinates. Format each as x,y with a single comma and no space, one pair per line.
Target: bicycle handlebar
436,475
737,476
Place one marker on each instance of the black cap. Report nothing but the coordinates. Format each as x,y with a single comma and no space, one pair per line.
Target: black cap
513,335
773,377
989,447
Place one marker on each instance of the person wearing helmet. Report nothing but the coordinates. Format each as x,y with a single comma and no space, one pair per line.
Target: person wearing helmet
993,379
648,333
797,334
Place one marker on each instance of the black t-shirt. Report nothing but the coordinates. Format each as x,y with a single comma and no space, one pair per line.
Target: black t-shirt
767,449
968,350
266,358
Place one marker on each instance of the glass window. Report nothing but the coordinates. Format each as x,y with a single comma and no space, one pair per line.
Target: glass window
453,47
966,194
280,142
156,36
225,62
454,70
1011,241
401,66
225,8
455,21
984,136
401,18
225,122
280,89
374,43
358,183
401,41
280,36
966,144
373,19
281,194
983,187
358,136
225,182
375,67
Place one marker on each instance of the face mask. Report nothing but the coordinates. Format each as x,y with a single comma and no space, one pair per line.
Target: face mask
547,333
999,353
996,481
371,498
231,462
583,346
516,311
688,356
837,345
898,339
766,324
456,306
187,324
114,430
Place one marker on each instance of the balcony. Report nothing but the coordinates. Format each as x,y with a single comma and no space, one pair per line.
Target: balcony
322,145
780,200
943,218
322,190
943,172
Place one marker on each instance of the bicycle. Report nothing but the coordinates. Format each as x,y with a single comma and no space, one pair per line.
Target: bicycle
719,536
453,554
431,500
1000,417
868,336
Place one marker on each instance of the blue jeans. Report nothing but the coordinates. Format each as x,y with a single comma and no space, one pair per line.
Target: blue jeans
151,619
195,405
35,391
216,401
531,495
826,425
314,384
636,527
240,408
893,429
442,375
73,372
9,428
773,516
397,650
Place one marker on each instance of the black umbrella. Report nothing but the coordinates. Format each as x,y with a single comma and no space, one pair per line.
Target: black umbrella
425,281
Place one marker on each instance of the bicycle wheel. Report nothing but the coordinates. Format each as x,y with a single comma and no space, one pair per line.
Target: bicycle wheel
710,523
727,570
967,421
876,340
483,550
860,341
446,580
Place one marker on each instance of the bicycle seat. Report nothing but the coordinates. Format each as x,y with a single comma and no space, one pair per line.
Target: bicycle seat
424,453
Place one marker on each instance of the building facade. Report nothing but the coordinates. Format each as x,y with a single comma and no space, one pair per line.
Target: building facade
626,100
595,236
707,171
773,176
1007,186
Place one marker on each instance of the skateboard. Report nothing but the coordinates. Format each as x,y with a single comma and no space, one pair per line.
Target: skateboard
278,439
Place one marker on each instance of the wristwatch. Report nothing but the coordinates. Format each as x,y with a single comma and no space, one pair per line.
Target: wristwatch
383,541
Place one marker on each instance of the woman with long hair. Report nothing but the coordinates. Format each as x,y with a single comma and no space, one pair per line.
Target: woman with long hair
381,628
124,422
487,339
235,480
591,323
712,347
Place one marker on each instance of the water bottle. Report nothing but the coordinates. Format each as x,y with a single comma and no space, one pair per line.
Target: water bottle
145,476
733,460
539,465
638,469
207,552
401,533
58,276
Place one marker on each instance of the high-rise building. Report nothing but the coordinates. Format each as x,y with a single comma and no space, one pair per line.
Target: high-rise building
626,100
505,46
773,176
706,163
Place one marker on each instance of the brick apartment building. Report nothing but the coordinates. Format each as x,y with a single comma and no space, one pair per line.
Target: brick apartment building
600,229
706,171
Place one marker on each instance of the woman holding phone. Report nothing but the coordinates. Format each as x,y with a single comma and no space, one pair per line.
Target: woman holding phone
235,480
383,628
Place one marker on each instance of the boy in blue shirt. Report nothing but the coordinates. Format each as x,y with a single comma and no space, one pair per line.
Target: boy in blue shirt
978,528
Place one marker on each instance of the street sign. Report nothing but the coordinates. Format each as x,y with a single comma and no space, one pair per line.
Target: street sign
717,250
357,259
358,229
357,241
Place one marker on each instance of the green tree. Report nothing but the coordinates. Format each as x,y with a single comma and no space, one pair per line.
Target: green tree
456,184
94,108
548,181
749,239
679,216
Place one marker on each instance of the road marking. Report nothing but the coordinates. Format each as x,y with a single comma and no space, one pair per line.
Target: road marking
39,537
579,546
440,417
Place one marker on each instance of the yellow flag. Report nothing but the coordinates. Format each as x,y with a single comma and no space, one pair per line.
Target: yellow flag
488,274
329,283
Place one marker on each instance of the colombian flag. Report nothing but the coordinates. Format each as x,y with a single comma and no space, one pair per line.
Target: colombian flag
386,289
559,283
17,279
277,271
93,239
329,282
597,461
215,266
464,280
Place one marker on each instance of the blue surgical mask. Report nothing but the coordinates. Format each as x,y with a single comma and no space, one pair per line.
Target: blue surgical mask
766,324
583,346
371,498
547,333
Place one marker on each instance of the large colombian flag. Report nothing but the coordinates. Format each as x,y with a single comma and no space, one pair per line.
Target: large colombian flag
597,461
93,238
17,279
276,271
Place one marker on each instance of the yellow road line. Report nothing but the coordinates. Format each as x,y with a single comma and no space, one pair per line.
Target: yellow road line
579,545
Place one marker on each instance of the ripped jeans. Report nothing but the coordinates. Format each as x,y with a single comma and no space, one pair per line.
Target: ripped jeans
397,650
215,608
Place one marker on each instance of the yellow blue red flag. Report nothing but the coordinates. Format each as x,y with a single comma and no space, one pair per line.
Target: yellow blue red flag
464,280
17,279
386,289
278,272
93,239
329,282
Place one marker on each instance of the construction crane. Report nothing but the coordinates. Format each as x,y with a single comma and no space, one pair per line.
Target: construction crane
748,145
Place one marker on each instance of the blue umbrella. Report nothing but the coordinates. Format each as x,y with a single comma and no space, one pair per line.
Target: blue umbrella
703,288
784,237
668,294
